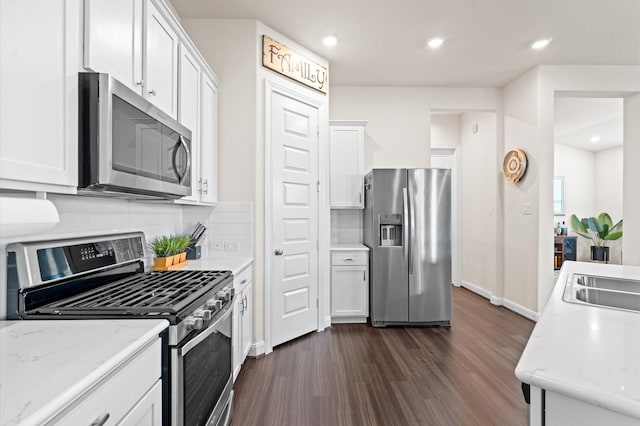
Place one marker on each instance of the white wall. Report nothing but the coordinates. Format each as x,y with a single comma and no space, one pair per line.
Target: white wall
608,192
398,132
529,117
445,130
478,201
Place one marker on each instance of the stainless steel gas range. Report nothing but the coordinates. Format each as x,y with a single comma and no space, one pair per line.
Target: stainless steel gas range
104,277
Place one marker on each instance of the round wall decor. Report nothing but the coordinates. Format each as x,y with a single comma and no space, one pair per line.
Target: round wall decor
514,165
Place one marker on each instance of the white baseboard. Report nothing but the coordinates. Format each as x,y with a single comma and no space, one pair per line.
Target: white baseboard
257,349
327,321
501,301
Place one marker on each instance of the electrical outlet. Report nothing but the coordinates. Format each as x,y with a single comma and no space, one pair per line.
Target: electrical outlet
231,246
526,208
217,245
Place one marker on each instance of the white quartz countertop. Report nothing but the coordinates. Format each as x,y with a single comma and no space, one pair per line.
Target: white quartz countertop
46,365
234,264
586,352
349,247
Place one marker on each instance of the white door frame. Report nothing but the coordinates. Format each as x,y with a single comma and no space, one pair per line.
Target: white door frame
456,249
272,87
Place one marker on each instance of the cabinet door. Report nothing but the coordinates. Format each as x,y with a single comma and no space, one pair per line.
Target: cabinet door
247,320
236,335
189,113
161,62
40,45
113,40
349,291
347,166
148,411
209,138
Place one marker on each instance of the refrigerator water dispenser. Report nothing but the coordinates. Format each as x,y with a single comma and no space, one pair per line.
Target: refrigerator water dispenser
390,230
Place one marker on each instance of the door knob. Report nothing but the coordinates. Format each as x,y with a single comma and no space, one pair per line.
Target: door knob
278,252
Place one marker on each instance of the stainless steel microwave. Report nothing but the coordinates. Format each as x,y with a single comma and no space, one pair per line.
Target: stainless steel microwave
127,146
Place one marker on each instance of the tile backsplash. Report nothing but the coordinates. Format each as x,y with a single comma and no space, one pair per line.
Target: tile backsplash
346,226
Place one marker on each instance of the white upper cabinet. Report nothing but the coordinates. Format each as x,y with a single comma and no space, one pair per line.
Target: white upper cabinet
209,151
161,62
40,48
134,42
346,145
189,113
113,40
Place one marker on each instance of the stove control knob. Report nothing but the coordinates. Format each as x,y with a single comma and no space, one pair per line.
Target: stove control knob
201,313
232,291
193,323
213,304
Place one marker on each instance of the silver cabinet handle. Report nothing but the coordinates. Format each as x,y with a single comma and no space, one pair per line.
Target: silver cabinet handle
278,252
243,281
152,92
347,259
364,275
200,186
99,421
245,303
206,186
140,83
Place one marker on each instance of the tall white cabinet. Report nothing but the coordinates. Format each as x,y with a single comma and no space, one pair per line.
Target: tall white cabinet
346,146
40,43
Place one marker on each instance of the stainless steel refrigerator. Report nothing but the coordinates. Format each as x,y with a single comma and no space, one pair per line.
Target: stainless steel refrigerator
407,227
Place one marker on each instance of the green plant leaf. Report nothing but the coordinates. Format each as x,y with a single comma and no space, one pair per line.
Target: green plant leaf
594,225
605,219
616,226
577,225
604,232
613,236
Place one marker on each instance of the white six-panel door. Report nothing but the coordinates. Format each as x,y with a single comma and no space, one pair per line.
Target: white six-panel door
294,218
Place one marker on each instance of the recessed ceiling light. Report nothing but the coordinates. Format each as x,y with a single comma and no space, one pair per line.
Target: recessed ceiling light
330,40
540,44
594,139
435,43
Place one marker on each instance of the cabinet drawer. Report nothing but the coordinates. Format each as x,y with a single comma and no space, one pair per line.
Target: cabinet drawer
349,258
119,392
241,280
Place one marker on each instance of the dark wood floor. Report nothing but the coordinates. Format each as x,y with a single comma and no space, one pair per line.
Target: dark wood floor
354,374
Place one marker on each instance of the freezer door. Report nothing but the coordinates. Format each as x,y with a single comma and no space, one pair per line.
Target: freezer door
389,281
430,245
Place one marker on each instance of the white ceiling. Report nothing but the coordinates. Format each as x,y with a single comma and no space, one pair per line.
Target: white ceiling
382,42
578,119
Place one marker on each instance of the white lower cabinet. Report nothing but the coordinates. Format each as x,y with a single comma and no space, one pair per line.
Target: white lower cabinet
242,318
349,286
130,395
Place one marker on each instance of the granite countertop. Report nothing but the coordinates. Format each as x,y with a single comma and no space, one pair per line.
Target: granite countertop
586,352
348,247
46,365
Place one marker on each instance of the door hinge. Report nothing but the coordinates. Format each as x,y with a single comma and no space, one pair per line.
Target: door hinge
318,185
317,302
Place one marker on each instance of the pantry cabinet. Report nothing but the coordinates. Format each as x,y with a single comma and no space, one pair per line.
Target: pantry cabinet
349,286
346,146
40,47
243,318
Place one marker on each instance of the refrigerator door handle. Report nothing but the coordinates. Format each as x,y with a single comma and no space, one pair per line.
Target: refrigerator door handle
412,227
407,231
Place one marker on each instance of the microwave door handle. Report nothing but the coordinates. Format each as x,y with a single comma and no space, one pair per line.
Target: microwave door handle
182,143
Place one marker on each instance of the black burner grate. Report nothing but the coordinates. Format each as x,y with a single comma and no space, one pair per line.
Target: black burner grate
160,292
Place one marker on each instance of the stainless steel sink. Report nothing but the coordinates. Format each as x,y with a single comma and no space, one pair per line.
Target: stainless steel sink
615,293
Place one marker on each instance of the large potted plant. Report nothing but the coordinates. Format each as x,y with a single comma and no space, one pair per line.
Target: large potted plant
599,230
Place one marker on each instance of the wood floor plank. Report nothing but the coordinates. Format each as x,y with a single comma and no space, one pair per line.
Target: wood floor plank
355,374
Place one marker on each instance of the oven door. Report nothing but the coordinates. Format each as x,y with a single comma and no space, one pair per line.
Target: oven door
201,377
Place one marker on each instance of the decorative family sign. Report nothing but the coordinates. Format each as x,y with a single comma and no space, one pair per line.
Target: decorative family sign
279,58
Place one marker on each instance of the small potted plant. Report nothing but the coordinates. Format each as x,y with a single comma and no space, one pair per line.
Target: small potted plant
598,230
163,250
181,244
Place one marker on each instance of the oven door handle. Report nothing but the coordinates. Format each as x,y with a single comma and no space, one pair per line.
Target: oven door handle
207,332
